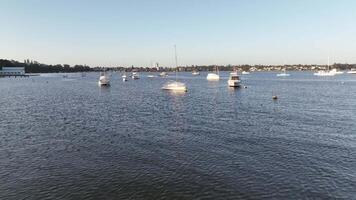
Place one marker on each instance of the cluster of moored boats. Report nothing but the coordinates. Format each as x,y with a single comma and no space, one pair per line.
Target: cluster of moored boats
233,81
234,78
332,72
105,81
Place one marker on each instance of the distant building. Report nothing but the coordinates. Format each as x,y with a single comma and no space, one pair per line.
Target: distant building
11,71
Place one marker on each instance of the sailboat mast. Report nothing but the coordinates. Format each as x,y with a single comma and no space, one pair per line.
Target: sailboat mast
175,56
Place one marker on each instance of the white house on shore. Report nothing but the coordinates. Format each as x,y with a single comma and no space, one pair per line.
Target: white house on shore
12,71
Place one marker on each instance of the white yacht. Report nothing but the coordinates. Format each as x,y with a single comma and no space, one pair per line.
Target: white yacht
175,86
234,80
135,75
213,76
245,73
151,76
103,79
283,74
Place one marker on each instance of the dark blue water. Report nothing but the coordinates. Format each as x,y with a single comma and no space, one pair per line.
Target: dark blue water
69,139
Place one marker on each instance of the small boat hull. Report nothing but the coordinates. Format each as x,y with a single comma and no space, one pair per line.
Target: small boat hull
135,76
103,80
163,74
283,75
213,77
175,86
322,73
105,83
233,83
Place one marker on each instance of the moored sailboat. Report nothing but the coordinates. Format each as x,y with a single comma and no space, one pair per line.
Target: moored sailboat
103,79
213,76
175,86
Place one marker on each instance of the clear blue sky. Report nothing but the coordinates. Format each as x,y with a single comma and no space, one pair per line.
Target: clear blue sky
138,32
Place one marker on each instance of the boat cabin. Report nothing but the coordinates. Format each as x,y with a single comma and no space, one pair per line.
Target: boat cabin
234,77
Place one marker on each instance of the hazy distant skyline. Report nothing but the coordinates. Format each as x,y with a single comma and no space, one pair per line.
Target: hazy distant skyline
125,33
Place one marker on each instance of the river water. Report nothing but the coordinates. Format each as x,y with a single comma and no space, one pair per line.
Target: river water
67,138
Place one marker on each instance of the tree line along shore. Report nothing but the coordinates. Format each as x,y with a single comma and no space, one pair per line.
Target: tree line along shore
36,67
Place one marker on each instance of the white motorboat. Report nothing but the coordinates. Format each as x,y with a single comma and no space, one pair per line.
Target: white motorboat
135,75
245,73
324,73
163,74
283,74
151,76
233,73
336,72
175,86
103,79
195,73
234,80
352,71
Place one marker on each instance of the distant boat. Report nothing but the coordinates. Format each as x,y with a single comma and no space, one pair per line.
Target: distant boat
283,74
245,73
134,75
327,72
163,74
175,85
213,76
151,76
104,79
233,73
336,72
195,73
124,78
234,80
324,73
352,71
